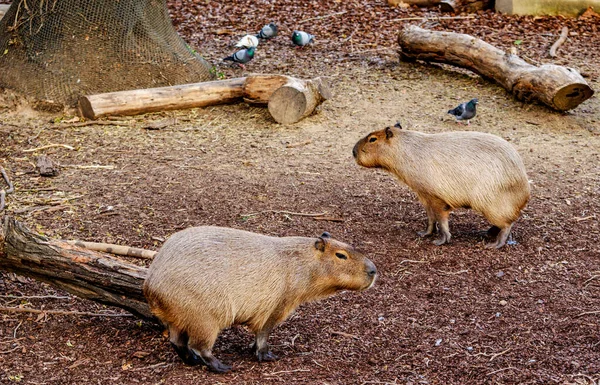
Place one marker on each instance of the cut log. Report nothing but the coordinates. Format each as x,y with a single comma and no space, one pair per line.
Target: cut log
297,99
558,87
253,89
84,273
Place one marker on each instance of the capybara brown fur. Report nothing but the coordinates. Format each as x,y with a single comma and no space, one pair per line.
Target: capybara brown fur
451,170
205,279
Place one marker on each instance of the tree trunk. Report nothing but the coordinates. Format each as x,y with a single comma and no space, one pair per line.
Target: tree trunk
298,101
84,273
560,88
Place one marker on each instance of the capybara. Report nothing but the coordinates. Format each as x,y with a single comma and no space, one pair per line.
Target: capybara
451,170
205,279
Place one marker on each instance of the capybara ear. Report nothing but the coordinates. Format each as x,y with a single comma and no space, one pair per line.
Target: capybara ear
388,132
322,242
325,235
398,125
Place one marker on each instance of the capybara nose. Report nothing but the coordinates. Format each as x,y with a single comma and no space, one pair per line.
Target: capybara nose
371,269
354,152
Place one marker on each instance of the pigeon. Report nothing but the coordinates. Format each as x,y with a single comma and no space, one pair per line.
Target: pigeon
268,31
247,42
301,38
465,111
242,56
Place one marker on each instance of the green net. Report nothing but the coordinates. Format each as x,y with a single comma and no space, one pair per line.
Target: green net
59,50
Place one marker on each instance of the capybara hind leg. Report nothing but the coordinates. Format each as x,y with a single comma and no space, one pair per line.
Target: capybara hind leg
179,342
493,231
442,215
261,346
501,238
203,349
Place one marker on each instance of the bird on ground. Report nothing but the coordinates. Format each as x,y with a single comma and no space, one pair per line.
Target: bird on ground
465,111
247,42
301,38
267,32
242,56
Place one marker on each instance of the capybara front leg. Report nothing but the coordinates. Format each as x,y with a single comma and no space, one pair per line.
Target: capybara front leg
203,349
261,346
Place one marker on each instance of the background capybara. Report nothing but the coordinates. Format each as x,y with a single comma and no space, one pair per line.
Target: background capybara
451,170
204,279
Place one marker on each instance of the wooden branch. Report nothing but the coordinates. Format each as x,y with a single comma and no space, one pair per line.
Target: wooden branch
558,87
305,96
563,37
84,273
61,312
115,249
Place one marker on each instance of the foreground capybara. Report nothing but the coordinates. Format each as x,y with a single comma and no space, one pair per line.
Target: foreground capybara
205,279
451,170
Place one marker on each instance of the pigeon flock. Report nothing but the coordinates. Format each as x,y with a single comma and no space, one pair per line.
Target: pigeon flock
249,43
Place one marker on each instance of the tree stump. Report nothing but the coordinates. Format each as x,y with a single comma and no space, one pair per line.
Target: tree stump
297,99
558,87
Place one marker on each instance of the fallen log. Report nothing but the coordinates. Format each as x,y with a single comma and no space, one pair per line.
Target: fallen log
558,87
287,107
85,273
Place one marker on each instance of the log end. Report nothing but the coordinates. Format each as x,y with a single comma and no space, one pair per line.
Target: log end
85,108
572,95
287,105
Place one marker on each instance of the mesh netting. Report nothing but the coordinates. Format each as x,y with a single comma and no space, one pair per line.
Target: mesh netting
60,49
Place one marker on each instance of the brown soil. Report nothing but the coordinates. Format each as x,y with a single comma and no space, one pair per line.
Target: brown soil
456,314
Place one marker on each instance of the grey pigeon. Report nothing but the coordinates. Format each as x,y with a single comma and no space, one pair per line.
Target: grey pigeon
268,31
465,111
301,38
242,56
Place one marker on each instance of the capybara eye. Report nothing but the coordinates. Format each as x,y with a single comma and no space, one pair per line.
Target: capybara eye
373,139
341,256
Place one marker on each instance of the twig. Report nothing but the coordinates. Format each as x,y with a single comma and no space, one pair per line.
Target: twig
115,249
10,351
160,364
563,37
584,218
50,146
345,335
590,279
3,192
62,312
322,17
96,123
287,371
499,354
587,313
86,167
452,272
433,18
34,296
294,145
500,370
411,261
284,212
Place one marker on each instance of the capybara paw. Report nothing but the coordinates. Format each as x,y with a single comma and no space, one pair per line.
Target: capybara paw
440,241
494,245
266,356
187,355
424,233
218,367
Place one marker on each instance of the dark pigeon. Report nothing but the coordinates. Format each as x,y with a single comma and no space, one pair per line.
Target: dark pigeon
301,38
267,32
242,56
465,111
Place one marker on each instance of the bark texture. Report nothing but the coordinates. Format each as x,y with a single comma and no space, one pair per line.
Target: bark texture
84,273
560,88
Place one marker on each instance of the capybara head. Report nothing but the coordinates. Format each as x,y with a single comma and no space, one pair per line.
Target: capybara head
374,149
342,266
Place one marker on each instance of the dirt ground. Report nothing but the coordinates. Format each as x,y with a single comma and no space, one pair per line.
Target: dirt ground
456,314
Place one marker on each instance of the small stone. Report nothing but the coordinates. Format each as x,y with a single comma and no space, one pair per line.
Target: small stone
470,348
438,342
500,274
503,303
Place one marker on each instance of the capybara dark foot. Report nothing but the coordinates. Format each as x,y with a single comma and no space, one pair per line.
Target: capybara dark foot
440,241
493,245
187,355
266,356
214,365
424,233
